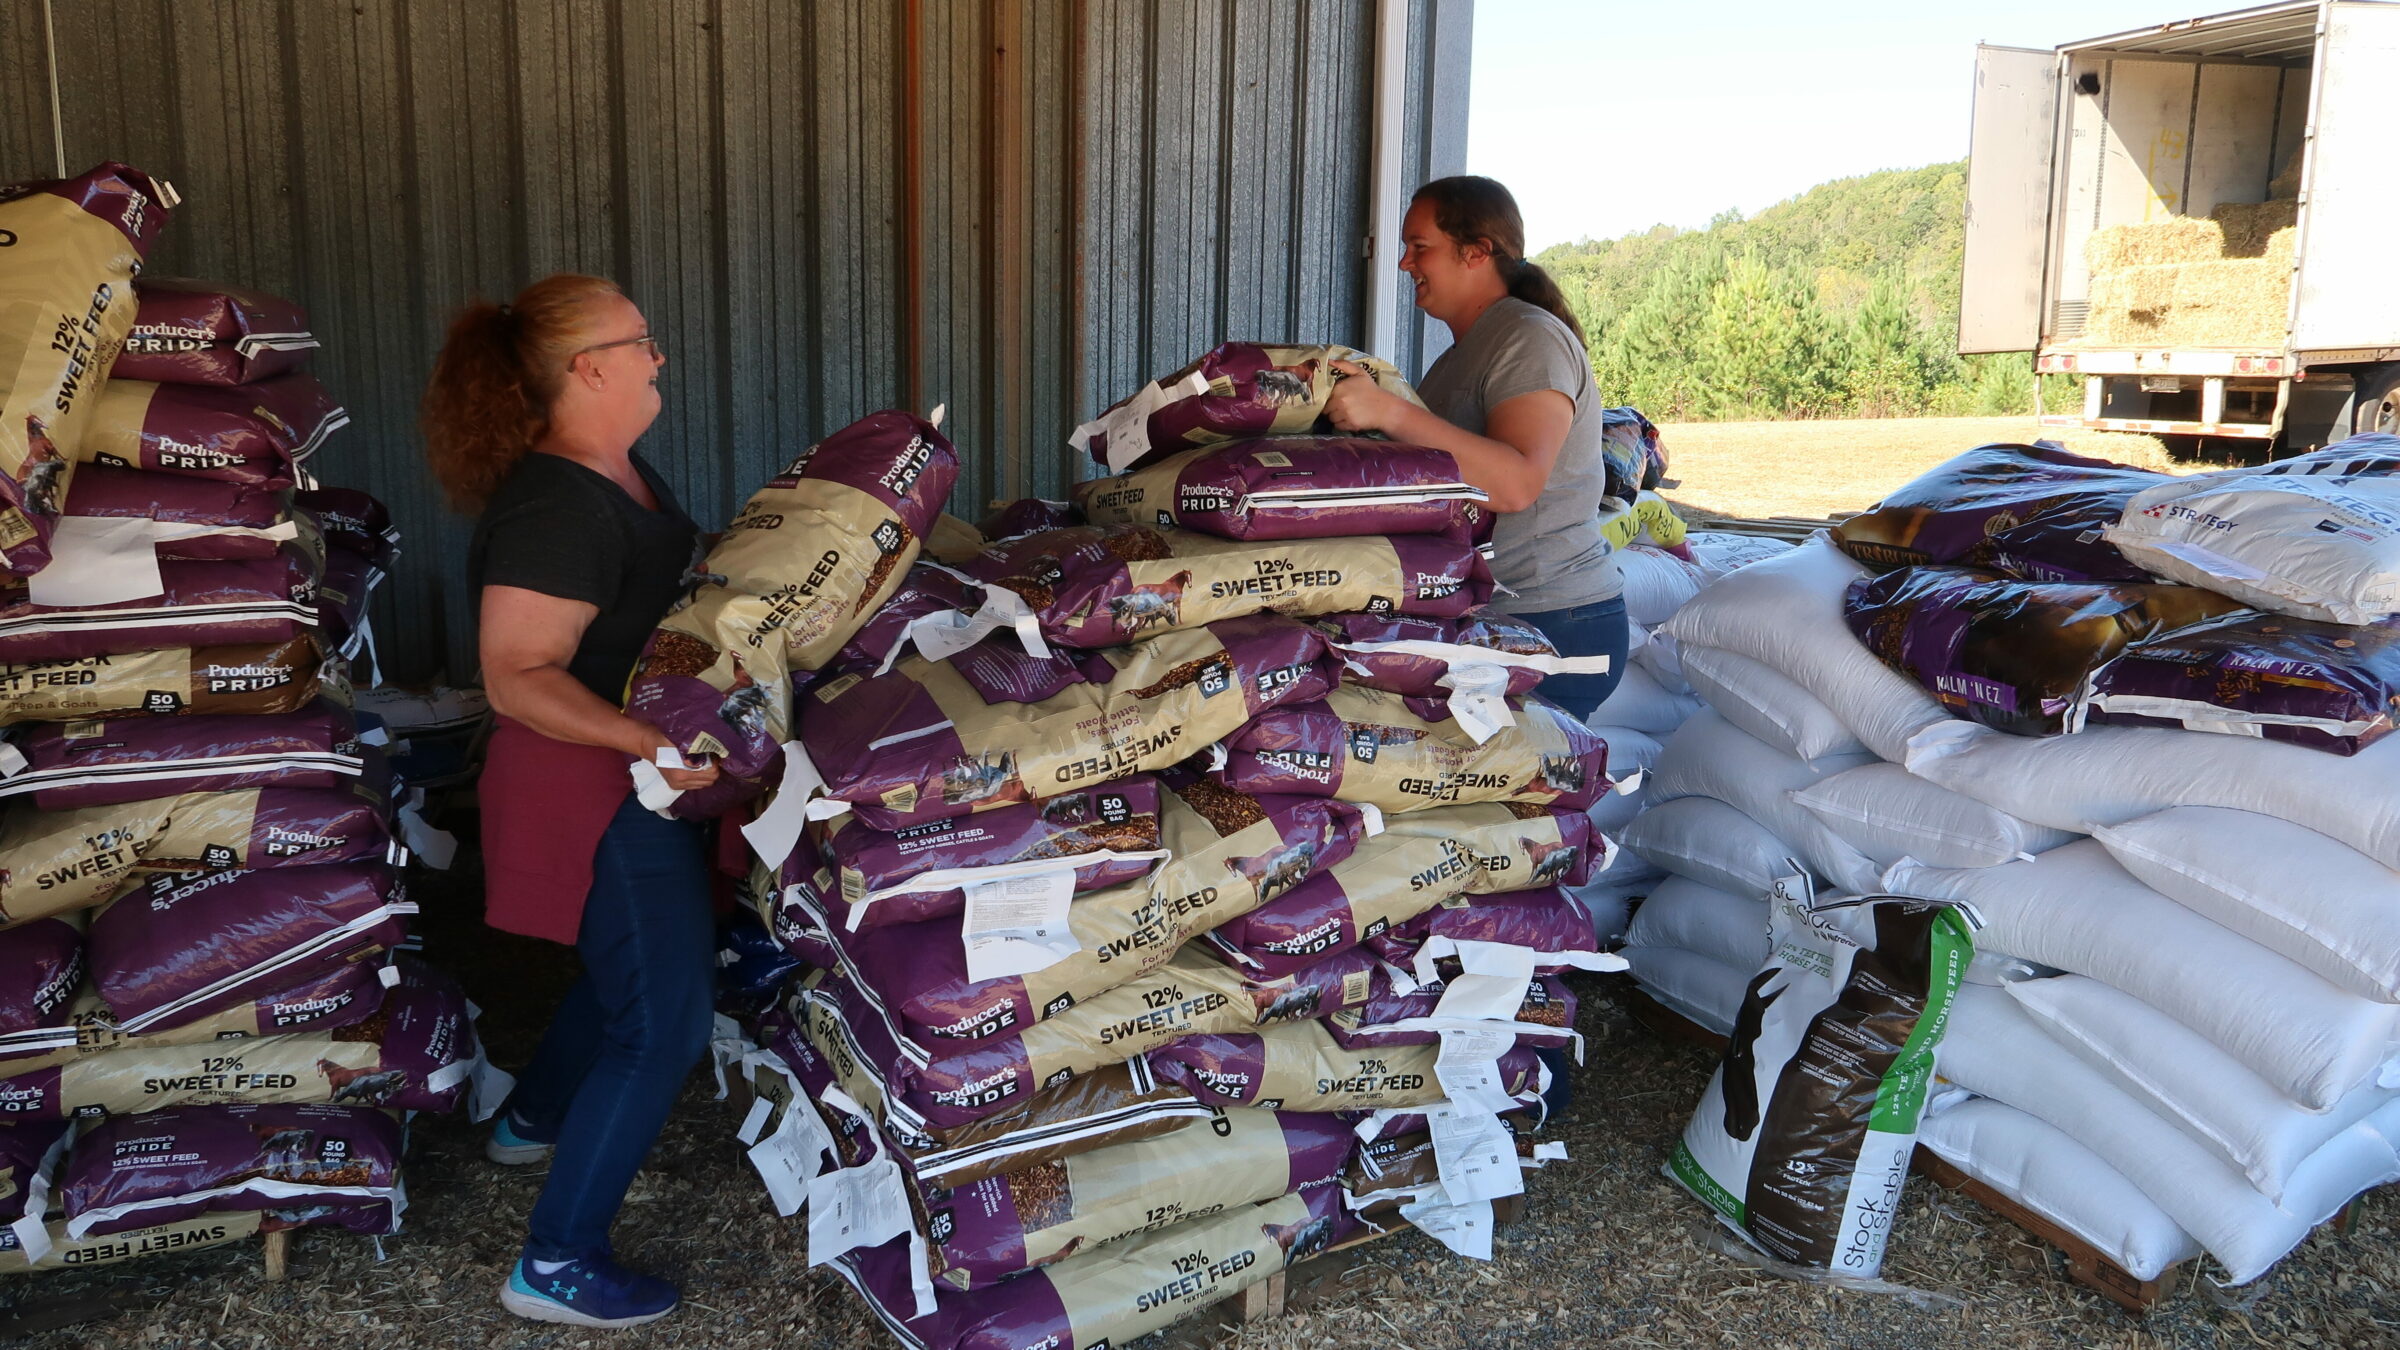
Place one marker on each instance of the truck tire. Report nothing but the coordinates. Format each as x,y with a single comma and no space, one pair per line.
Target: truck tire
2376,407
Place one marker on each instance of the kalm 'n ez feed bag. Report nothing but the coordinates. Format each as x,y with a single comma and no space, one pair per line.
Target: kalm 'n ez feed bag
1364,745
134,1171
2011,654
2330,686
1095,586
2317,537
54,861
993,726
2033,512
96,762
66,287
252,435
260,679
199,332
1294,487
1803,1138
800,569
1235,390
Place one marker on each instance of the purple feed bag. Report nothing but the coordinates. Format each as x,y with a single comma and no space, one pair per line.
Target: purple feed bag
2033,512
1544,1017
994,727
195,519
353,520
135,1171
338,998
24,1148
176,948
41,968
1546,922
929,589
1094,586
131,759
1411,656
349,583
1365,745
204,604
255,680
74,246
1299,1066
1109,835
1233,391
2328,686
1026,515
1294,487
251,435
198,332
801,568
2012,655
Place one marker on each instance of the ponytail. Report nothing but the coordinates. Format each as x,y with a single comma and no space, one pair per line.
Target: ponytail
488,402
1474,210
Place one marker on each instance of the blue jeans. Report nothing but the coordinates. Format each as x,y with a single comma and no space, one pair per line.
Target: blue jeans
628,1032
1596,629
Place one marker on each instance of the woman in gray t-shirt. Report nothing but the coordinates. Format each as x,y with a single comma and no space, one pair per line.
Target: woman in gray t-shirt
1514,403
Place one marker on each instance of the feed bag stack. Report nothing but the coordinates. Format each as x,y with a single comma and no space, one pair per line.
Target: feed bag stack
1182,890
2169,806
204,1035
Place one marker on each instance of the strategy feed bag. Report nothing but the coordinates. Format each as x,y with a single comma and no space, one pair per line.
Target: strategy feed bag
2317,537
1235,390
2033,512
801,567
1094,586
1293,487
1803,1138
2330,686
993,726
66,303
1367,746
2012,655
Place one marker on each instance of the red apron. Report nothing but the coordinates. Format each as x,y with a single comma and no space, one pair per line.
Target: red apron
545,805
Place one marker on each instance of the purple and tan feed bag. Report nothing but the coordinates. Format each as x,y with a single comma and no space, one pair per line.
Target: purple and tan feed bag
2328,686
205,520
1299,1066
252,435
66,304
2012,655
1365,643
1233,391
340,997
1294,487
994,727
2033,512
1366,745
1544,921
104,762
261,679
1544,1017
200,332
1104,586
1108,833
164,1166
204,604
41,970
804,564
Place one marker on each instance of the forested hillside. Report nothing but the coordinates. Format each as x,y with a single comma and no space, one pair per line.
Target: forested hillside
1841,302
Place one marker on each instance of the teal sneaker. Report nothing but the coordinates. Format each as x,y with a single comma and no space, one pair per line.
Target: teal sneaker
511,1149
592,1291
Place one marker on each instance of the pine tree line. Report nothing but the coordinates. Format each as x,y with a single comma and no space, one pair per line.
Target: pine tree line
1841,302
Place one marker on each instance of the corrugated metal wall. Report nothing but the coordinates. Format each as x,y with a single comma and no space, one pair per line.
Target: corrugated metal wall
1100,191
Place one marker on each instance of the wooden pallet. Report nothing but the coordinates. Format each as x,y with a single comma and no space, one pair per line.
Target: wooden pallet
2085,1263
1796,529
1319,1277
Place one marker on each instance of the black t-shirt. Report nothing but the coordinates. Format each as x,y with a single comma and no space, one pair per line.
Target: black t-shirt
557,527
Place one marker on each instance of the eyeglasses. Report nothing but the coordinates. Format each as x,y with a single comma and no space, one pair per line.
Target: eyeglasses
645,340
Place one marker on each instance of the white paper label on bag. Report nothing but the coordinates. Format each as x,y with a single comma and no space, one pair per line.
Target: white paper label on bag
863,1206
1498,959
1479,700
796,802
787,1159
1474,1153
487,1088
1018,925
12,760
756,1121
1491,984
95,561
1468,1068
650,787
1464,1228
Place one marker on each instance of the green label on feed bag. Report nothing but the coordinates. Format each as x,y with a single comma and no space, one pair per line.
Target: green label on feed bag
1686,1169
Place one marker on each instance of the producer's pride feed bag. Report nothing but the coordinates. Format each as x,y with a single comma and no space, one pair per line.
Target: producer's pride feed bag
799,570
1234,390
1803,1139
253,434
1293,487
66,303
203,333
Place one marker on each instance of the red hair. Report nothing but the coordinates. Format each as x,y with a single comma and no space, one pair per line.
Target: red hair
500,366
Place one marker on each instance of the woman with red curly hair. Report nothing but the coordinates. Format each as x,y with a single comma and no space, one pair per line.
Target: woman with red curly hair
530,422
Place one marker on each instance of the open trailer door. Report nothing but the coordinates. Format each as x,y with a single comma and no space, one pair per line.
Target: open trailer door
2349,287
2008,199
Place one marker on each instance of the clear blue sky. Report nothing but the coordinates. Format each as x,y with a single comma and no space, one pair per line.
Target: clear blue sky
1605,117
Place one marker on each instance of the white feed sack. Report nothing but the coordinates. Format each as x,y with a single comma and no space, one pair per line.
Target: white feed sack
1700,989
1888,813
2076,909
2316,545
1995,1049
1710,842
2174,1071
1766,703
2285,887
1711,757
1802,1141
1684,914
1639,701
2036,1165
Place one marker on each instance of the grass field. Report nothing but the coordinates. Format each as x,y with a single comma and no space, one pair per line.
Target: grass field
1818,468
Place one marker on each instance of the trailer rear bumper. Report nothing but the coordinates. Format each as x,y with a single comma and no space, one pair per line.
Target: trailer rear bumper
2242,430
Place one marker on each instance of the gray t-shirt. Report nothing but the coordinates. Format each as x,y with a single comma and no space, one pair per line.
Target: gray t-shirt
1552,554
